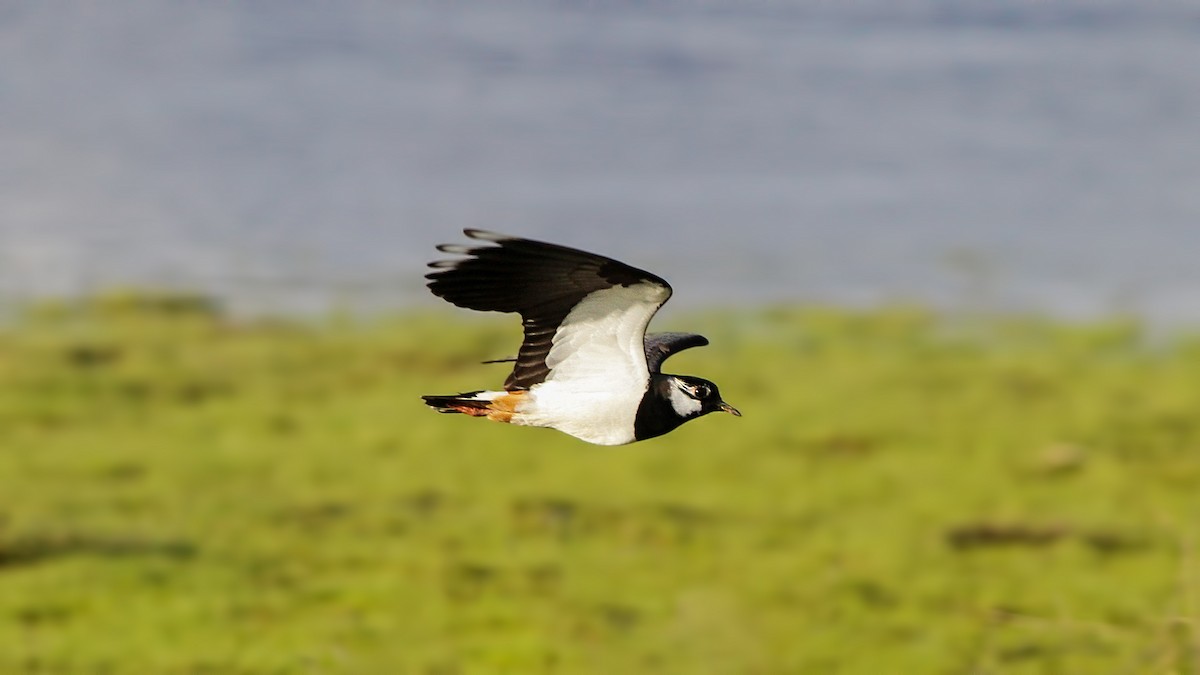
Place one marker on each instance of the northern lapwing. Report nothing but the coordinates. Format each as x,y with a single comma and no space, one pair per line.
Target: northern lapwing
586,366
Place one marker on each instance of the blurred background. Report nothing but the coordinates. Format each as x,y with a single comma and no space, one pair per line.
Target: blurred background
926,237
289,156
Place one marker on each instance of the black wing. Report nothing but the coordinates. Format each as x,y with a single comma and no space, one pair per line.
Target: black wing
542,282
660,346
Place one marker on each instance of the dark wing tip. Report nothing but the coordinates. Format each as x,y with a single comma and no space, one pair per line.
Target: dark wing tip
481,235
461,250
487,235
660,346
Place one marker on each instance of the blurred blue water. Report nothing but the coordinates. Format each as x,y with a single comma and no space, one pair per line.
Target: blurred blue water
286,155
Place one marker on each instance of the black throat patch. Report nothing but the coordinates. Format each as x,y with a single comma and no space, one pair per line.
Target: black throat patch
655,415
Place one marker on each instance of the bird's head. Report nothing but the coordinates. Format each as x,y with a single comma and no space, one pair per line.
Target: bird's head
695,396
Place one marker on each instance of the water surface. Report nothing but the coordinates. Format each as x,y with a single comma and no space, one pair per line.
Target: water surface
285,156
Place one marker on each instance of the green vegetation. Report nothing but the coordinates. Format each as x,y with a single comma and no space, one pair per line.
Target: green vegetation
907,493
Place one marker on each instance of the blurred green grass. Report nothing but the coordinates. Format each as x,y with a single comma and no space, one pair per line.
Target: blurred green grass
184,492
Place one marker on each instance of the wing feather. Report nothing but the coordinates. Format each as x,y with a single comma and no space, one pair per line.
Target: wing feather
660,346
583,314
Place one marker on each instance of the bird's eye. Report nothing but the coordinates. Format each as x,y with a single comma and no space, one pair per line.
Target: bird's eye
702,391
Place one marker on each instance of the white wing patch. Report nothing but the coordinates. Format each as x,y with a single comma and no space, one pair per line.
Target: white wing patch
600,343
597,362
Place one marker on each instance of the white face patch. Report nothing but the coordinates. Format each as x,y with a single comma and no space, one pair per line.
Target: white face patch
684,405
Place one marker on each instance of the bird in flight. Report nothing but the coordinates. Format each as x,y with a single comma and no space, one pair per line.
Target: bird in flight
586,367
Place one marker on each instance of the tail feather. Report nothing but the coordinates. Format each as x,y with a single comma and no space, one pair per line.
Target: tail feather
459,403
495,405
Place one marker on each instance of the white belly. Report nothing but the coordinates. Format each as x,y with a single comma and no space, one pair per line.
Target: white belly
603,417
